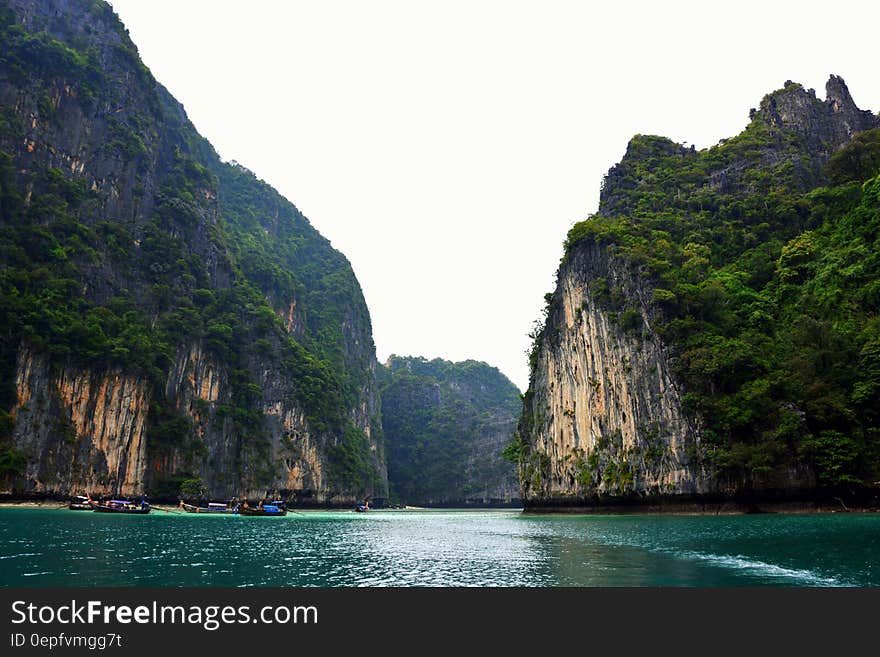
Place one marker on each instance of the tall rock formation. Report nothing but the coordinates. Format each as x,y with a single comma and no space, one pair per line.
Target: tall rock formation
604,413
167,321
446,425
678,357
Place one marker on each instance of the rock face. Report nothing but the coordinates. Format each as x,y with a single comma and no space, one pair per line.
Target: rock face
446,425
826,126
84,430
603,414
609,417
168,320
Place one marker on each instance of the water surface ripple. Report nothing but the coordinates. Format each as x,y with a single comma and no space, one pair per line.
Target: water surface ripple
57,547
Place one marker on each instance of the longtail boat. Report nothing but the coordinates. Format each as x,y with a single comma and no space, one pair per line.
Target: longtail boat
212,507
276,509
80,503
121,506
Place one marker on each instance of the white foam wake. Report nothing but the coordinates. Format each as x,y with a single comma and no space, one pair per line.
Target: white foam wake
757,568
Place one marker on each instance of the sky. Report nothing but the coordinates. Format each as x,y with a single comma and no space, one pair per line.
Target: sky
446,147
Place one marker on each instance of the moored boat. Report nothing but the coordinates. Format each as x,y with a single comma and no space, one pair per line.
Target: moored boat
276,509
80,503
212,507
121,506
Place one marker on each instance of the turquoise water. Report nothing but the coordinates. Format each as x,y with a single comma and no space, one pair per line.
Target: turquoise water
58,547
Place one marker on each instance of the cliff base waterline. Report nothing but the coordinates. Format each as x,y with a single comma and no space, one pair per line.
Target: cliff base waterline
708,504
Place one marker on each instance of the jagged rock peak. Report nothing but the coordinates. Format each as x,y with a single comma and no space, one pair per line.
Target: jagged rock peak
838,98
828,125
837,94
800,129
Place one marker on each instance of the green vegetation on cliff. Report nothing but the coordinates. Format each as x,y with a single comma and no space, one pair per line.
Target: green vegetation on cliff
445,425
763,256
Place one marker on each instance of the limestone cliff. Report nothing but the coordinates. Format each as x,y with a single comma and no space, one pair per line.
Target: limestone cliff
167,320
82,430
673,364
604,413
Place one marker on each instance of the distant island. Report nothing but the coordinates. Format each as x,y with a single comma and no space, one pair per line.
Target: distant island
446,425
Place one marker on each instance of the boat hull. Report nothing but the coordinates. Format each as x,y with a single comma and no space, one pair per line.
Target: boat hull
138,511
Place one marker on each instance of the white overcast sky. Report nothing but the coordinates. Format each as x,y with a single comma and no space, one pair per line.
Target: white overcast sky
446,147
